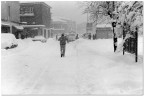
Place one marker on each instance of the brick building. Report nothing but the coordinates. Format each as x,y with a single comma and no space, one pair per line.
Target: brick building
10,18
37,18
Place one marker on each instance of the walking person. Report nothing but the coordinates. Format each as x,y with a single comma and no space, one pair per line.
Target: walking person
77,37
93,36
62,40
56,37
90,36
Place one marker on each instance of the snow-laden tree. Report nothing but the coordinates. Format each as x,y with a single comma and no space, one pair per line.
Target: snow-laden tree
130,12
97,11
128,15
130,18
101,11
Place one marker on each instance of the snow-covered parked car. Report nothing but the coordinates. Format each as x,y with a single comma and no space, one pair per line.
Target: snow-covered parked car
39,38
8,41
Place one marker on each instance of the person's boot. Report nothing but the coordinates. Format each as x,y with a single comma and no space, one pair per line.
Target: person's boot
61,55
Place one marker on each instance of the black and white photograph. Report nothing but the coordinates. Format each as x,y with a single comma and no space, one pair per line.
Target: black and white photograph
72,48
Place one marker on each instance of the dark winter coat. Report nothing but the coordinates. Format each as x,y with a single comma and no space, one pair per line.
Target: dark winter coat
63,40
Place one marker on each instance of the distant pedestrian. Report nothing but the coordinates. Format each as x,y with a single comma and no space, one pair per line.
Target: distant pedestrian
56,37
90,36
19,36
77,37
93,36
63,40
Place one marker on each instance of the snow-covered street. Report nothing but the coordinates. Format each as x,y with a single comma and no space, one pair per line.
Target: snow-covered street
90,67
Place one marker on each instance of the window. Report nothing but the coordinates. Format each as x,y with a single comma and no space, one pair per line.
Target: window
9,11
45,33
21,10
26,10
48,33
31,9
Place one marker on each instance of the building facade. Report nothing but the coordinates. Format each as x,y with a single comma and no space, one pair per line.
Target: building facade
71,25
37,18
104,31
58,26
89,28
62,25
10,18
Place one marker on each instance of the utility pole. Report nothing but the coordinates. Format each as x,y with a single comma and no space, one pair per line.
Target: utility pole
87,24
114,25
111,10
136,45
87,19
114,36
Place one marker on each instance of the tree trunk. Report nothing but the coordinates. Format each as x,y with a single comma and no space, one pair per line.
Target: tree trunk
114,40
136,44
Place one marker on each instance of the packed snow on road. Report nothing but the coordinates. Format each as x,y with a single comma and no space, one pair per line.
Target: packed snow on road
89,67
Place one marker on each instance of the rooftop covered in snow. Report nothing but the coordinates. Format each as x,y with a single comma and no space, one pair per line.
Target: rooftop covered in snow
103,25
28,2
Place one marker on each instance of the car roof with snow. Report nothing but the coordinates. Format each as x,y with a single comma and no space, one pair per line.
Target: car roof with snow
39,37
7,39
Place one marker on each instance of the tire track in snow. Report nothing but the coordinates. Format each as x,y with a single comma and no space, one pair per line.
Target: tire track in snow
38,85
86,72
34,80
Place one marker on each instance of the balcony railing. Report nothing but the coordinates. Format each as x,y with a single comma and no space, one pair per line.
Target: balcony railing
27,14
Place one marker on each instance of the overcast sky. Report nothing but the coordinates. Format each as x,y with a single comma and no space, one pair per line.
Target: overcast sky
67,9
